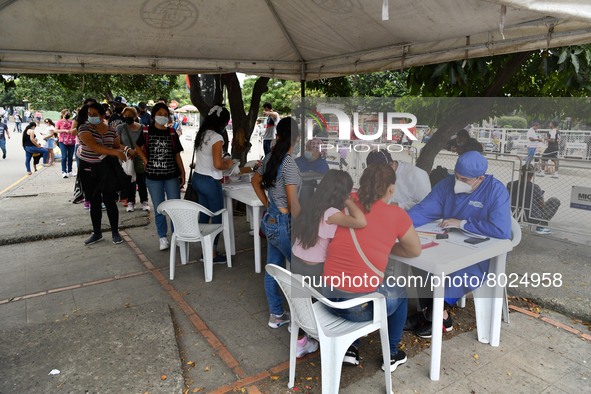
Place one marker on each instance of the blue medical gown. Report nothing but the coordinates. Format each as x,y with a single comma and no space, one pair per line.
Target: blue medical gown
487,211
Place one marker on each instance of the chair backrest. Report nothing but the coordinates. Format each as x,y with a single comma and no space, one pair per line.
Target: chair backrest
184,215
299,297
515,232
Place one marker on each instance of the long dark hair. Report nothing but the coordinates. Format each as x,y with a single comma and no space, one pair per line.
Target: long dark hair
31,125
332,191
82,116
287,134
216,120
374,183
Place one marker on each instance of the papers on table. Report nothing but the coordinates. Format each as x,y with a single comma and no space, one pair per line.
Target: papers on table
433,228
241,184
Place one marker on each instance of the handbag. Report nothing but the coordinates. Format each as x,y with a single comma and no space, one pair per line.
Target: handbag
190,193
138,164
129,168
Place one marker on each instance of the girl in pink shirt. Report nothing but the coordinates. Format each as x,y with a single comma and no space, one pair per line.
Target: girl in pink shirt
315,227
318,221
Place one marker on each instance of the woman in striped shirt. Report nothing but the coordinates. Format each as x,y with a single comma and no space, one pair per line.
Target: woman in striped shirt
98,140
280,176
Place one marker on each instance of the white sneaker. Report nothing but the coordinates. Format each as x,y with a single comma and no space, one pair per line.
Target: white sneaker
305,346
164,244
130,207
145,206
540,173
64,175
71,173
555,175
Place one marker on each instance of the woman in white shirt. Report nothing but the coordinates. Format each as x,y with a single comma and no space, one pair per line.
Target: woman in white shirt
209,167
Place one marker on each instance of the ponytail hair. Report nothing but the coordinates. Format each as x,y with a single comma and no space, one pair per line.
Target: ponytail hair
287,134
333,190
374,183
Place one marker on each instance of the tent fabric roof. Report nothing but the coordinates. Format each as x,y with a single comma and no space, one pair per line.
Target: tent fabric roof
291,39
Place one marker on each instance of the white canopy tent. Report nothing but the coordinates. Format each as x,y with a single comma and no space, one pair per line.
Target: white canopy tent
291,39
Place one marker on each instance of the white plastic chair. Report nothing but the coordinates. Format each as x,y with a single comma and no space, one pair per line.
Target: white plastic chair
335,334
184,215
515,240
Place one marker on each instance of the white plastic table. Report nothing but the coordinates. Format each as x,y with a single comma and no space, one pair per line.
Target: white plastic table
242,191
452,255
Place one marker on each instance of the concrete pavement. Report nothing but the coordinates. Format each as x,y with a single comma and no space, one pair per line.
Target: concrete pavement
109,320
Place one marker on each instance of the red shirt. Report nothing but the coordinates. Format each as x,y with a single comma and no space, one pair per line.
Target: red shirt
385,224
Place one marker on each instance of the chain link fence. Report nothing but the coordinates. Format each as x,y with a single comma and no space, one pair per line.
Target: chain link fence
506,168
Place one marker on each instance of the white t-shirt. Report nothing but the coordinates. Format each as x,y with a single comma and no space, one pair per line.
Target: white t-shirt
531,133
204,155
412,185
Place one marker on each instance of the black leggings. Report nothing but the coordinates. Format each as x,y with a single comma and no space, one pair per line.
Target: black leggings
90,176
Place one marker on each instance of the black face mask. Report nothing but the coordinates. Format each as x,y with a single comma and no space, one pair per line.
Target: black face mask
67,116
118,110
107,116
128,120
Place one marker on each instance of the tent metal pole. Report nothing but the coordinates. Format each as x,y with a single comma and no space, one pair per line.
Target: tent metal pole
302,116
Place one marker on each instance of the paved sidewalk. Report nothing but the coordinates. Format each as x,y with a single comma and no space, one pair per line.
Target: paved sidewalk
109,320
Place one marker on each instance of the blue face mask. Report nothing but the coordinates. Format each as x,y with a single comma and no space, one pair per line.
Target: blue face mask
94,119
162,120
308,155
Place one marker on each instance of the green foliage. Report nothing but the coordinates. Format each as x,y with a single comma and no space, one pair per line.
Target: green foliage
516,122
558,72
57,91
281,94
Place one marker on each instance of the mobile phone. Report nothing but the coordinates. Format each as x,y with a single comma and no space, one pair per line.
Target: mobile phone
474,241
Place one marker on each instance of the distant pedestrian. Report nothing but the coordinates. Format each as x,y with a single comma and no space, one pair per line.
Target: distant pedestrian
49,138
4,134
270,124
32,146
67,142
18,119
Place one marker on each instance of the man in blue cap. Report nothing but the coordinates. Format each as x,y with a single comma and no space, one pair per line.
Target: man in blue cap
469,200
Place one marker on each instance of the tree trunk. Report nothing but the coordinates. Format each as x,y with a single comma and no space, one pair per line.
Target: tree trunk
243,123
469,113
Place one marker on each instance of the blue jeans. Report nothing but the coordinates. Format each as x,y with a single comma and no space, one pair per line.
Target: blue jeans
530,155
277,229
3,147
267,146
29,151
396,308
67,152
209,192
161,190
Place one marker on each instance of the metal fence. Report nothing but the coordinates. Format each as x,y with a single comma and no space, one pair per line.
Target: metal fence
574,144
506,169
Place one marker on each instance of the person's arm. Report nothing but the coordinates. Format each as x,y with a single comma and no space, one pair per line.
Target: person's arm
33,138
91,143
218,162
408,245
431,207
293,203
355,218
257,185
497,223
7,133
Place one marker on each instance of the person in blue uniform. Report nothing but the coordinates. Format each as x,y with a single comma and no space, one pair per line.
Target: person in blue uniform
312,159
472,200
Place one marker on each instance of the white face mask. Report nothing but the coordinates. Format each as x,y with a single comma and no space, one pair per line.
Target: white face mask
308,155
462,187
161,120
